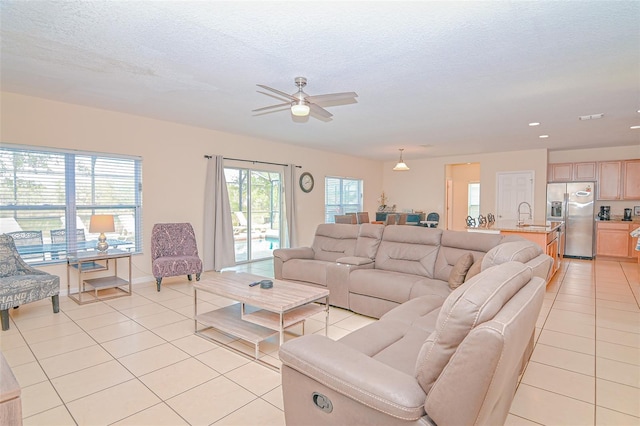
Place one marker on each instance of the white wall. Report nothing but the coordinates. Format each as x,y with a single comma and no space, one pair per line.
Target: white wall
423,187
174,167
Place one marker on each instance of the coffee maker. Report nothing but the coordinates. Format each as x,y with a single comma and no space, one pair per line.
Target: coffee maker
627,215
605,213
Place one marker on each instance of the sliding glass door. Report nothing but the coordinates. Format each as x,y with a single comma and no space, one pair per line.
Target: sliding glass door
255,197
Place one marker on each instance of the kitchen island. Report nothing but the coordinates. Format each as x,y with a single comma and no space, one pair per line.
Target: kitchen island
546,235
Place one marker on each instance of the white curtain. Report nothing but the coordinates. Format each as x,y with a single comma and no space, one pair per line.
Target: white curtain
291,237
219,249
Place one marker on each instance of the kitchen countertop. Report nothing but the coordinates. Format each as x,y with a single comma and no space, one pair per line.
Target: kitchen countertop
512,226
618,218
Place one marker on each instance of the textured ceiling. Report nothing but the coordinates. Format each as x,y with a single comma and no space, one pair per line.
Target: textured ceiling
435,78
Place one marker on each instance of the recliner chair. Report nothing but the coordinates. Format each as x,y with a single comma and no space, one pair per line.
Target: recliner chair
422,363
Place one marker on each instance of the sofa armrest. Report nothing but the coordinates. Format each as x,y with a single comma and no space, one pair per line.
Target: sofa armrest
355,260
355,375
285,254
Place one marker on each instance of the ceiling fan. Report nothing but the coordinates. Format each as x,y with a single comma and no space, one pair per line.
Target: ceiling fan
302,104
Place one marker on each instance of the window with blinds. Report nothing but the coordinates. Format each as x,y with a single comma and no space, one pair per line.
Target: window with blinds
48,197
342,196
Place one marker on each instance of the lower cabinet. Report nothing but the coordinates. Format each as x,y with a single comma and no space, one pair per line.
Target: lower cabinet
613,239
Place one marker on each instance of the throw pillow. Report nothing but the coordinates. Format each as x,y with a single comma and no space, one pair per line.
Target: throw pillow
474,270
459,271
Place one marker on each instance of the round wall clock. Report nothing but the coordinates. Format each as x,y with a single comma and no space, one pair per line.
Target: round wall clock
306,182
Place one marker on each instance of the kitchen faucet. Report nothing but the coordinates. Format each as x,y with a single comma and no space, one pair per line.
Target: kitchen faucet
520,221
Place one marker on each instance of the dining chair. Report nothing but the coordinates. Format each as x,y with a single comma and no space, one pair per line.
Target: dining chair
28,238
402,219
343,218
391,219
434,219
363,217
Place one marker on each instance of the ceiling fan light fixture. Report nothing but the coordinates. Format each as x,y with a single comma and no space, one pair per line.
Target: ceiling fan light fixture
401,166
300,109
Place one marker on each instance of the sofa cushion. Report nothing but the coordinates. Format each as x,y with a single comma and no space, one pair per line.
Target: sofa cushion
408,249
455,244
333,241
471,304
368,240
459,271
306,270
392,286
519,251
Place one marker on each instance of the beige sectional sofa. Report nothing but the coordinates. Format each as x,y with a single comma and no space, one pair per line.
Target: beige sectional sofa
370,268
430,361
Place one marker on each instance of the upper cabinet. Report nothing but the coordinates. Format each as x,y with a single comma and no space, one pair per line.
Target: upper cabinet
572,172
585,171
631,182
616,180
609,180
619,180
561,172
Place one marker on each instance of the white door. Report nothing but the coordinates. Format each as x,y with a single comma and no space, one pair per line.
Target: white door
513,189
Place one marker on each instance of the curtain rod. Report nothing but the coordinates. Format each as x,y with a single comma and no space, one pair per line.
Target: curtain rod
251,161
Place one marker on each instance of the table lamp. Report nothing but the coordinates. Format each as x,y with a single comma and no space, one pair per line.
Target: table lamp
102,223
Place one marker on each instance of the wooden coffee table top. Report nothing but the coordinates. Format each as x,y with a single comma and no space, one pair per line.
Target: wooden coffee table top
283,296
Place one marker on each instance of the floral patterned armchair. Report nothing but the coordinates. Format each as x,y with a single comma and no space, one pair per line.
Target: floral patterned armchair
20,283
174,251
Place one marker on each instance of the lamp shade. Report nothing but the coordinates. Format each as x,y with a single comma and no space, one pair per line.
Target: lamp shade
300,109
101,223
401,166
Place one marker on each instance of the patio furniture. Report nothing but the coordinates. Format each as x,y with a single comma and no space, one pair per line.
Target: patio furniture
28,238
60,235
20,283
174,251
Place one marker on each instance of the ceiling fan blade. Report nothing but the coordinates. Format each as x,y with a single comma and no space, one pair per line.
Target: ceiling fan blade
320,111
272,106
331,97
285,95
271,95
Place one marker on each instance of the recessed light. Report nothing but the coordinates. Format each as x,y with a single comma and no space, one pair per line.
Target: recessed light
543,136
634,127
534,124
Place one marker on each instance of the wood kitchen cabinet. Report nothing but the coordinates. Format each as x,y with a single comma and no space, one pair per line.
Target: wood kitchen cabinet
631,180
619,180
613,239
560,172
585,171
573,172
609,180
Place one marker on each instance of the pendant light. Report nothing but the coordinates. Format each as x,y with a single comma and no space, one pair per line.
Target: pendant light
401,166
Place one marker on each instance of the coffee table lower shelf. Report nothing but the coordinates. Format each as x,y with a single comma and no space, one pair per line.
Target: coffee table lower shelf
228,320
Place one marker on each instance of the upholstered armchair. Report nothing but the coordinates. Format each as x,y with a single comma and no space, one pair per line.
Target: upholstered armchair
20,283
174,251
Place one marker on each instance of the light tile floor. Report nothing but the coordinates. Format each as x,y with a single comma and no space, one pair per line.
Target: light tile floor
135,360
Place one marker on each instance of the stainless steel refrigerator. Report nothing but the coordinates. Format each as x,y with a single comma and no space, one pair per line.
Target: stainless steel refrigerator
573,203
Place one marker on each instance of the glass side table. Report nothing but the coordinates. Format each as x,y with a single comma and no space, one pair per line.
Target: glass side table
97,275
